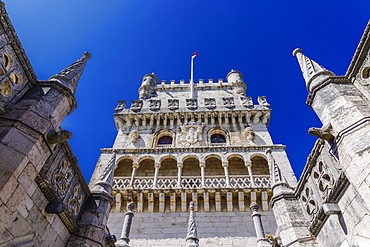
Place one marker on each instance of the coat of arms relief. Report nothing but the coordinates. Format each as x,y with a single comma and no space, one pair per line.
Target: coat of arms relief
191,134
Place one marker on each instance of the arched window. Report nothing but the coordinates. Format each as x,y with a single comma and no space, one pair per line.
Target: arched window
218,138
165,140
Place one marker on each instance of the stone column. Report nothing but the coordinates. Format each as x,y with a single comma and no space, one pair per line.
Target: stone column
124,240
256,216
226,170
202,167
179,173
249,167
133,174
156,166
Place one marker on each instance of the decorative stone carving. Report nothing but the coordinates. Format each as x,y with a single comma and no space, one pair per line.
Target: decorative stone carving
309,204
249,133
321,133
74,201
323,178
210,103
173,104
58,137
246,101
134,135
136,105
61,178
121,105
154,104
262,101
191,104
191,134
229,102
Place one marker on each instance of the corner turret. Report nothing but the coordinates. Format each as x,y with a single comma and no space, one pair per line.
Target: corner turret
148,86
313,73
235,78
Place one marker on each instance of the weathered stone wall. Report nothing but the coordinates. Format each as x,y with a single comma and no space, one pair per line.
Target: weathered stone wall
23,218
214,228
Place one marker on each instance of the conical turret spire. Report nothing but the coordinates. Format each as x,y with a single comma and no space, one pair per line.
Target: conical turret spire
71,75
105,181
313,73
192,236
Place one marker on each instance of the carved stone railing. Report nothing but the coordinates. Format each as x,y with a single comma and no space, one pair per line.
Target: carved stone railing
211,182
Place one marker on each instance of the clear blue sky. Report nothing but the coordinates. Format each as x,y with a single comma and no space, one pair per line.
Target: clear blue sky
130,38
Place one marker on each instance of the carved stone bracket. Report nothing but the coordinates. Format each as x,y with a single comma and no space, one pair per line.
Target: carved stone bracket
262,101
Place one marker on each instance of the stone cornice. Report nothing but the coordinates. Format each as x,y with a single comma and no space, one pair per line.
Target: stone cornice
332,79
192,149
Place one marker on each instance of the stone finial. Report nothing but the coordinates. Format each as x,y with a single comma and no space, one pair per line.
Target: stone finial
131,206
72,74
313,73
254,207
192,238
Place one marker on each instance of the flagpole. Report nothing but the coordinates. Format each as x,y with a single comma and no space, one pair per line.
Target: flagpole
191,78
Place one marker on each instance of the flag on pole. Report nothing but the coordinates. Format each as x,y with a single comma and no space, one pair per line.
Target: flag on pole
195,54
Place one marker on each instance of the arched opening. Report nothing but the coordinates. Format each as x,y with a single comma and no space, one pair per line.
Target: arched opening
124,168
214,167
260,166
218,138
191,167
237,166
146,168
168,167
165,140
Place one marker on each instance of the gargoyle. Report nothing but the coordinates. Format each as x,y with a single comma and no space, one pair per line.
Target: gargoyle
322,133
58,137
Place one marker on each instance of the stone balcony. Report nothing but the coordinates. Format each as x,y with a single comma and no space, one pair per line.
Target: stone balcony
193,182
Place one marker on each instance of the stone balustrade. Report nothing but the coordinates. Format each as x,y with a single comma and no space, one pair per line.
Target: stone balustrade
211,182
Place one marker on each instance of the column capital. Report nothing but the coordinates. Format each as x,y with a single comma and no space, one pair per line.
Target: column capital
225,164
135,165
248,164
157,165
180,165
202,164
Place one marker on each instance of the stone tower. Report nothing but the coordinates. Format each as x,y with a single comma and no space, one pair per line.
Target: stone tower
213,149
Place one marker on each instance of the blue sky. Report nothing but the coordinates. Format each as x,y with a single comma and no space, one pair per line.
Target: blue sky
130,38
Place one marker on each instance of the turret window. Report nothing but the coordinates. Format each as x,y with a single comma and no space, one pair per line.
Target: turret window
165,140
218,138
